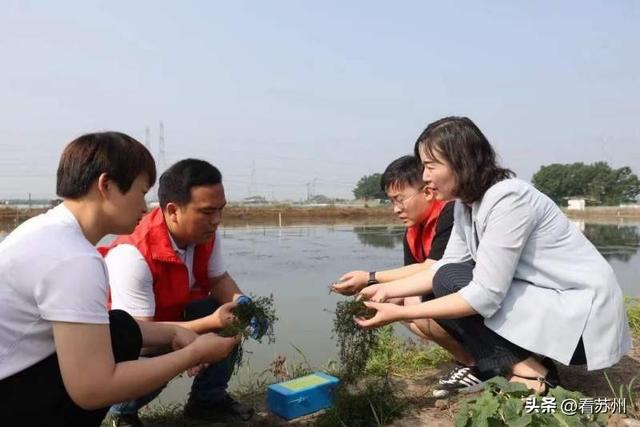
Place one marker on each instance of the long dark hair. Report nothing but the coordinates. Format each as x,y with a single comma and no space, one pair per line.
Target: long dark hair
459,142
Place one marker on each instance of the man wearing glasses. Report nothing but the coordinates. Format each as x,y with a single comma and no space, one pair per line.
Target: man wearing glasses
429,223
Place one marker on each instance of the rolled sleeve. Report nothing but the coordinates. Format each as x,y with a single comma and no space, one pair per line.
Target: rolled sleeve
509,224
481,299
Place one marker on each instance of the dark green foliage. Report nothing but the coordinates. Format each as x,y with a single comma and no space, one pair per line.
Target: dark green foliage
598,183
375,404
355,344
632,306
503,404
368,187
260,308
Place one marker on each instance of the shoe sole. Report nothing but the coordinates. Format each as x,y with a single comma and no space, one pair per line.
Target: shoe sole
444,393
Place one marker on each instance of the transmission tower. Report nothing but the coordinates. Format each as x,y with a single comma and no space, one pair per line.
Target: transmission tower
161,153
147,138
253,185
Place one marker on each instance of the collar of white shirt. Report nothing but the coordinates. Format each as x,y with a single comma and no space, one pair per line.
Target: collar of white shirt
181,252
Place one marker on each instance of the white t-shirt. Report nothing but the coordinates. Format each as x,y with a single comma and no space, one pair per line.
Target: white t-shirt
131,280
48,272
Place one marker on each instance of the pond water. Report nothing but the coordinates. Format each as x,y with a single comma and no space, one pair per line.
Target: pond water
297,264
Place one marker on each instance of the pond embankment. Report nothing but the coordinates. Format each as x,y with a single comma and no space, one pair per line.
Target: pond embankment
284,215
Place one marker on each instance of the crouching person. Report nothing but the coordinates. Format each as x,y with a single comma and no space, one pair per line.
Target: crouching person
63,358
429,222
171,270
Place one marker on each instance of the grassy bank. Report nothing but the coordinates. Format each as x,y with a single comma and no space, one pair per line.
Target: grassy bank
632,306
405,399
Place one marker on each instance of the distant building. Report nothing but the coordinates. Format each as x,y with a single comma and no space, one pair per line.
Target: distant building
576,204
320,199
254,200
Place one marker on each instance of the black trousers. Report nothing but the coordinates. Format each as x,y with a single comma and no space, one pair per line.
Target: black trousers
490,351
36,396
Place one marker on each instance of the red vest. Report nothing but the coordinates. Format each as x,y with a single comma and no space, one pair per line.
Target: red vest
170,275
420,236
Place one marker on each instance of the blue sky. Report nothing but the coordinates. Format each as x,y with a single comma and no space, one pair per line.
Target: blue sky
316,91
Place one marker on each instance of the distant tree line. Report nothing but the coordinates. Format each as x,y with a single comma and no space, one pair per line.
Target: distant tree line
598,183
368,187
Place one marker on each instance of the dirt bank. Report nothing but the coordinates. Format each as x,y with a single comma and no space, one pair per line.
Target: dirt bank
269,215
426,410
285,215
605,213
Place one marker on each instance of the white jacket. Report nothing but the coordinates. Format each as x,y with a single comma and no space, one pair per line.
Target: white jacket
538,281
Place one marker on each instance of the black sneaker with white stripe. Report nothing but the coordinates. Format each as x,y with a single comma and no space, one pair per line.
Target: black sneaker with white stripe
461,379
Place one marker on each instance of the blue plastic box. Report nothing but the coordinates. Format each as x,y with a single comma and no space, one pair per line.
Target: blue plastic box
302,396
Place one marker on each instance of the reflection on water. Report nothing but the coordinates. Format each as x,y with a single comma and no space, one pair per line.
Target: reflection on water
614,242
619,242
380,236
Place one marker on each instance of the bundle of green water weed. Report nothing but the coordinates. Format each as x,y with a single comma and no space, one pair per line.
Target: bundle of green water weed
254,320
355,344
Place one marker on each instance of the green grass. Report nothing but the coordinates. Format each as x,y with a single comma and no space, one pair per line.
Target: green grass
633,314
374,402
403,357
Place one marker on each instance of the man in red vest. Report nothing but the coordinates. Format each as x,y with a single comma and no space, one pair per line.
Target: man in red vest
429,223
171,269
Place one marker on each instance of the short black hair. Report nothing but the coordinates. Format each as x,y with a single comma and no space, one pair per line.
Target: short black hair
405,170
459,142
85,158
177,181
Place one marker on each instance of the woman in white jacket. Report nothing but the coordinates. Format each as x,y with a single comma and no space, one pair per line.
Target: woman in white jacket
517,281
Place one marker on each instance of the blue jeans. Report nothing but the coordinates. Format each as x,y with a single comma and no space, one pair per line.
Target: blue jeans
210,385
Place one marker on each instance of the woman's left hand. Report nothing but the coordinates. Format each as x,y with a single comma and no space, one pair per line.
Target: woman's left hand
385,313
183,337
375,293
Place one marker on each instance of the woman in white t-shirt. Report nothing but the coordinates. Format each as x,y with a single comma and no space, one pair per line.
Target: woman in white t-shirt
63,358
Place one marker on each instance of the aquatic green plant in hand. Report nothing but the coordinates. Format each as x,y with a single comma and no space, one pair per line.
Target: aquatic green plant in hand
355,344
253,319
